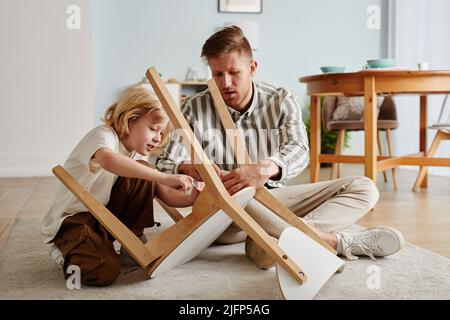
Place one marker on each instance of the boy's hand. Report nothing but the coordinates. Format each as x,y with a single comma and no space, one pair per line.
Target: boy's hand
198,187
178,198
178,181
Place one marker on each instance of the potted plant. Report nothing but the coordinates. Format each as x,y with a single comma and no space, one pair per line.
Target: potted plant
328,138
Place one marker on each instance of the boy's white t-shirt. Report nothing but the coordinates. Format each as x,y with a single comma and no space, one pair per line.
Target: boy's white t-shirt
88,173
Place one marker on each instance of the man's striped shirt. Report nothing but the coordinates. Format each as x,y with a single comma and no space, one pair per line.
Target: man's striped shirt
272,128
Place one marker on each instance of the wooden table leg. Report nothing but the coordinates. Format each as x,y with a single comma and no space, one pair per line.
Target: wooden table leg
370,129
315,148
423,133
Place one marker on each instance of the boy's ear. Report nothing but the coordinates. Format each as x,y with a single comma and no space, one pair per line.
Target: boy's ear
131,121
130,124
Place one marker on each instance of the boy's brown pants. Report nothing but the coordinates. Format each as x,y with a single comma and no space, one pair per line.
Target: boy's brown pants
84,242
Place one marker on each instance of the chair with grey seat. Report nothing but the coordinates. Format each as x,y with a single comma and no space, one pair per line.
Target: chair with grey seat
387,121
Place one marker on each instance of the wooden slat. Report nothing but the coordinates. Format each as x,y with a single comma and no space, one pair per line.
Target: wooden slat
335,87
440,135
413,84
390,153
332,158
237,145
377,73
340,145
315,131
423,134
172,212
370,128
107,219
386,162
428,162
389,163
271,202
380,152
206,169
260,236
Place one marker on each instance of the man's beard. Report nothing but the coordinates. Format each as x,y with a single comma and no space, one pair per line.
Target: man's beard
238,100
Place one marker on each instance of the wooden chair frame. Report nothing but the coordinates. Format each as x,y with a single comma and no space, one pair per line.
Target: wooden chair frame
216,194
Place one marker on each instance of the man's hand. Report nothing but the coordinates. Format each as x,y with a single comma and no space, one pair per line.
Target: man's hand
250,175
190,170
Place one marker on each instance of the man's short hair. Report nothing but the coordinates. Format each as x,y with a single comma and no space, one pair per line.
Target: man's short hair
225,41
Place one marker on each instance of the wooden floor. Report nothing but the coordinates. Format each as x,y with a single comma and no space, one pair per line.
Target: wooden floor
423,217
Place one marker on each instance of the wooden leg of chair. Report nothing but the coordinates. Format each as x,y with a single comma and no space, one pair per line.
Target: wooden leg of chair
423,170
172,212
333,172
341,142
262,239
380,152
315,149
336,168
423,133
266,198
389,143
144,256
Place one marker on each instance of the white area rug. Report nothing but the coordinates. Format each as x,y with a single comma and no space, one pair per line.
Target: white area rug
220,272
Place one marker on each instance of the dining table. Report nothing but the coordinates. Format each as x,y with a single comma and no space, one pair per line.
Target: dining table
371,83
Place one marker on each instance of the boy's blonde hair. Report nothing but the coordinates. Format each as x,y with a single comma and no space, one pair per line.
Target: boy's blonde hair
135,102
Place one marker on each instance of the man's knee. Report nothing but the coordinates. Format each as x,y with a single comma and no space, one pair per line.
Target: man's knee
366,189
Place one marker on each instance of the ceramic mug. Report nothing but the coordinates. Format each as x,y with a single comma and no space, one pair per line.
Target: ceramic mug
422,66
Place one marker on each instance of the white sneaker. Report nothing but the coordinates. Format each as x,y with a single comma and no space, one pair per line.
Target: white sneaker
56,255
376,242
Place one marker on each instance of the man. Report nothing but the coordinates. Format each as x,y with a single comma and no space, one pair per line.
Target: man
270,120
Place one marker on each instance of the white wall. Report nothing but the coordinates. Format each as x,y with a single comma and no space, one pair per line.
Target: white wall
420,33
45,84
295,39
417,33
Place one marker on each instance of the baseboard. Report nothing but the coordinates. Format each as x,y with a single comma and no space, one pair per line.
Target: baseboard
29,166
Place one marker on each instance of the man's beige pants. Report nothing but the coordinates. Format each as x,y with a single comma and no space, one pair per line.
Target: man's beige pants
329,206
